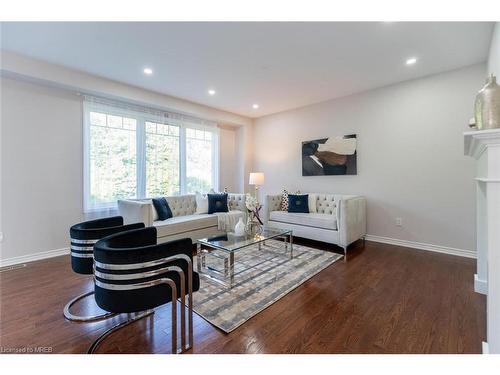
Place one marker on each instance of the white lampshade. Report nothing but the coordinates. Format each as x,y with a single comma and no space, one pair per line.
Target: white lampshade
256,178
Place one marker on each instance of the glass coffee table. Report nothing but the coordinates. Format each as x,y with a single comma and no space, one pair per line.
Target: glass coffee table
224,248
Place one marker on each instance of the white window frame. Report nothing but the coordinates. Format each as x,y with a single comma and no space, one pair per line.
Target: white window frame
142,115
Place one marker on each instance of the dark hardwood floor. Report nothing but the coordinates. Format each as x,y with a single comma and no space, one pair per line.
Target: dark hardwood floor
385,299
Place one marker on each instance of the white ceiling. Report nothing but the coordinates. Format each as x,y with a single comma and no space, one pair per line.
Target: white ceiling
277,65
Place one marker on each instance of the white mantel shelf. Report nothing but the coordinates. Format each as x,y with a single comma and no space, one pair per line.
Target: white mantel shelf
475,142
479,179
484,147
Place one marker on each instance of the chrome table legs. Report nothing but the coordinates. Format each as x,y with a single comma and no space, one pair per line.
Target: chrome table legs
224,277
288,240
231,269
225,274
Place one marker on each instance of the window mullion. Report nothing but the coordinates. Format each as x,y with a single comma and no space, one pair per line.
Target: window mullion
215,162
86,159
141,158
182,159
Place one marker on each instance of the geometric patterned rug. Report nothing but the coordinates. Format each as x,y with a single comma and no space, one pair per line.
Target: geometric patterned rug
261,278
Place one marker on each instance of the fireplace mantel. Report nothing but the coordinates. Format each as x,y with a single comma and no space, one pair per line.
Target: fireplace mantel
484,146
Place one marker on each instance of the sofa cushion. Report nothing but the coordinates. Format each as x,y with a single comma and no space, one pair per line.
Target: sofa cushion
187,223
298,203
312,203
217,203
201,203
162,209
284,200
325,221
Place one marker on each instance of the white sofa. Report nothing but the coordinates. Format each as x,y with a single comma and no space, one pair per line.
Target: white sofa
338,219
185,223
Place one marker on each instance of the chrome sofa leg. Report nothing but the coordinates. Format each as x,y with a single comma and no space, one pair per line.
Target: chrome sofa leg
89,318
109,331
345,253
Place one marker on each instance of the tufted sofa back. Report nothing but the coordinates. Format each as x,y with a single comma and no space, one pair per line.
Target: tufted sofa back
325,203
182,205
236,202
142,211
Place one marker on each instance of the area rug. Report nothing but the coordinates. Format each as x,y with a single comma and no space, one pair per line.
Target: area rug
272,275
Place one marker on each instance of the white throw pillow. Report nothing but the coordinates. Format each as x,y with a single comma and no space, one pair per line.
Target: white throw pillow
312,203
201,203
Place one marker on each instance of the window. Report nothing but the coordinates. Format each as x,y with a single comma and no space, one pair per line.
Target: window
131,152
162,159
113,158
199,160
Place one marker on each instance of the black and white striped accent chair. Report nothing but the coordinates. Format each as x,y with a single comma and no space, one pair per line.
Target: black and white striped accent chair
134,274
83,237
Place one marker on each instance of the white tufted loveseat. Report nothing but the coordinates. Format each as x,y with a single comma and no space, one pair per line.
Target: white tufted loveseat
185,223
333,218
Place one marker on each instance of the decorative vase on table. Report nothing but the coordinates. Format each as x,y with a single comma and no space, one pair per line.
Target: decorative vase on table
239,229
254,223
253,227
487,105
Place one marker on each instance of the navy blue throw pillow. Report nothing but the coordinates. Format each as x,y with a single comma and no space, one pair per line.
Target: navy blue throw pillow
298,203
162,208
217,203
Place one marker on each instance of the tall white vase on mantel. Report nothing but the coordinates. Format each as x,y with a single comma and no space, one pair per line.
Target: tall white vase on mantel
487,105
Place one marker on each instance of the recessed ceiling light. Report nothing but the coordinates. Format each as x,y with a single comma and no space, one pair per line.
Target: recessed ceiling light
411,61
255,106
211,92
148,71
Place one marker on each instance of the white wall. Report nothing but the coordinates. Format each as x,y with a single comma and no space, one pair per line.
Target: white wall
244,155
410,155
41,167
228,167
494,56
41,174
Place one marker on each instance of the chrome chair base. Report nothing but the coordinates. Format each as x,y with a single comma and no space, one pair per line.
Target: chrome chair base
109,331
90,318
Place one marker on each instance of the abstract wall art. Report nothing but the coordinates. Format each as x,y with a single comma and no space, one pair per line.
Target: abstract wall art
330,156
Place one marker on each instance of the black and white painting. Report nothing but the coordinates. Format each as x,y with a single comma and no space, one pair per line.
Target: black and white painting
330,156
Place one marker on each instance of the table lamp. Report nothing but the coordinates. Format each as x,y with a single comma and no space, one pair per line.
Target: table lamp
256,179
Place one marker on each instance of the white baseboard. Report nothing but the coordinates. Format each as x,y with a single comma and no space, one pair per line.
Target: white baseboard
422,246
32,257
486,348
480,285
